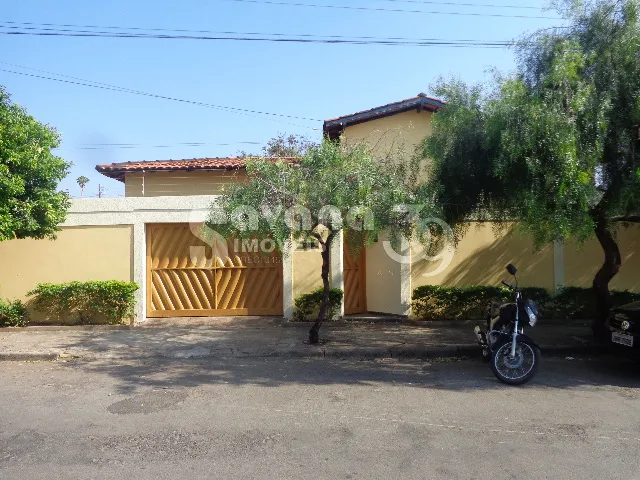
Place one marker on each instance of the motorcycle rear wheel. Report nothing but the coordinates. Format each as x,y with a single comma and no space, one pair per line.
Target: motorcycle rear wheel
519,369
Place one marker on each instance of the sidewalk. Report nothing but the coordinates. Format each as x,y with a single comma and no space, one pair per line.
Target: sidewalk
269,337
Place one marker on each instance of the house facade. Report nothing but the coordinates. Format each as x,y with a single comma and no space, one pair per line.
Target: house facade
479,259
153,236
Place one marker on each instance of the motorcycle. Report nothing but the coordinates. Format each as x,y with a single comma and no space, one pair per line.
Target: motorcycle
514,356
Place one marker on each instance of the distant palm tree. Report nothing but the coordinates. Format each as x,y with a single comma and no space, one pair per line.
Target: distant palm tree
82,181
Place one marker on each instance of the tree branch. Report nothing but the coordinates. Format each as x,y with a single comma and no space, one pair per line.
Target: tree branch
316,235
274,188
627,218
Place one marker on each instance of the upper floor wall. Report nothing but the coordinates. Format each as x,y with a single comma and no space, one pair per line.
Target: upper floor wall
388,135
180,183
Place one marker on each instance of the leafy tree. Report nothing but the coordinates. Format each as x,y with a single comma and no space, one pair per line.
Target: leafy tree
283,145
553,145
82,182
287,146
30,204
328,190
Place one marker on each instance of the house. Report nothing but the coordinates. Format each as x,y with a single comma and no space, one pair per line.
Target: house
153,237
480,257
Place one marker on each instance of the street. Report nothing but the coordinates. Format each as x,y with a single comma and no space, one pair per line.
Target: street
274,418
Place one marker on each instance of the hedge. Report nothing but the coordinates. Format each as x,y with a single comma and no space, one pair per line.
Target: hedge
432,302
309,304
13,313
86,302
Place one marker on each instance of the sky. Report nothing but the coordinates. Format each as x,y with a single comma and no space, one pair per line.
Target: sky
315,81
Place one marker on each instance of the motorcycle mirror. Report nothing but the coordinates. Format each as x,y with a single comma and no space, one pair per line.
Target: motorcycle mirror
512,269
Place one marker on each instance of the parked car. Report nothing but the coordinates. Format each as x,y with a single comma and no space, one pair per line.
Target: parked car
624,324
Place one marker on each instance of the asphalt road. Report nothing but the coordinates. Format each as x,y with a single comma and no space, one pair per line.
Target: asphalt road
280,419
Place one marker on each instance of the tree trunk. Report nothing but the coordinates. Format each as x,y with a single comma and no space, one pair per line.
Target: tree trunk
609,269
314,333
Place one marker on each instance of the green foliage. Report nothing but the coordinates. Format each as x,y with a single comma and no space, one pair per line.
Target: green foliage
326,175
309,303
13,313
82,182
30,205
329,189
86,302
432,302
287,146
554,145
575,302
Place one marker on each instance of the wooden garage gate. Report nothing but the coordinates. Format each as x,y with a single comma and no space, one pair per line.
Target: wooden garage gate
188,278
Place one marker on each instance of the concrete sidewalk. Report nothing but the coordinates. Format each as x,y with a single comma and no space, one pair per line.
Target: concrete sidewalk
269,337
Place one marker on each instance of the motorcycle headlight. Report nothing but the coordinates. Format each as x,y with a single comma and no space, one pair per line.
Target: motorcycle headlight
532,312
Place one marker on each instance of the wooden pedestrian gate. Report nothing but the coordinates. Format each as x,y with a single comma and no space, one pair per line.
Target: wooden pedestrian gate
187,276
355,287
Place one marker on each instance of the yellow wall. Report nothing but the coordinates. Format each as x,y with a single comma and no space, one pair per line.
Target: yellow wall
403,131
480,259
307,266
155,184
383,281
481,256
79,253
582,263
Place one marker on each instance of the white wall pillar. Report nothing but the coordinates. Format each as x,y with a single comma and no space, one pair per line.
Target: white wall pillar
287,280
140,270
405,276
336,269
558,264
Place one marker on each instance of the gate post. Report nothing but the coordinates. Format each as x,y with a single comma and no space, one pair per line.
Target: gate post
140,271
287,279
336,270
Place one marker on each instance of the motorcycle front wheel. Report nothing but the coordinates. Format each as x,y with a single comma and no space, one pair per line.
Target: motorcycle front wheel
518,369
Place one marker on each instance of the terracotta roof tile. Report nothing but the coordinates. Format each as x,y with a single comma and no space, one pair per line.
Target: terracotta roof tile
118,170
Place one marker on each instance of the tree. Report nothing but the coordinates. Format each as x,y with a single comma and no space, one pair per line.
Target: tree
30,204
287,146
552,146
283,146
82,182
326,191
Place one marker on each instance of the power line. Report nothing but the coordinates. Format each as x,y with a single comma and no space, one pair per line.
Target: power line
459,4
137,92
104,86
110,146
45,27
390,42
390,10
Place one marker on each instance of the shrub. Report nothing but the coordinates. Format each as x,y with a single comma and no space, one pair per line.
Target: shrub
432,302
309,304
13,313
86,302
575,302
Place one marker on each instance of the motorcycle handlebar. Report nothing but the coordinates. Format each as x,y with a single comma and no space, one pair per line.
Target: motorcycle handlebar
507,285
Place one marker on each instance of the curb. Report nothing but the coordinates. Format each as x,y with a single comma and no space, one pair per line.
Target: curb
313,352
66,328
29,356
581,349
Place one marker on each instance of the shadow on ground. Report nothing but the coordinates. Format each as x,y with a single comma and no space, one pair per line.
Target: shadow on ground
242,352
463,375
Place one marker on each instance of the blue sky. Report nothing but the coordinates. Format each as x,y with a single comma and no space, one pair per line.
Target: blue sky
316,81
